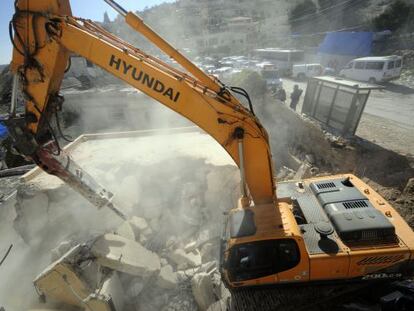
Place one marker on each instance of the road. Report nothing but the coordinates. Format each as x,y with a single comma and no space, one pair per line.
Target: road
388,118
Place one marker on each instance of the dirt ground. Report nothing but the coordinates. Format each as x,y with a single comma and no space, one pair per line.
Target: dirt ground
387,133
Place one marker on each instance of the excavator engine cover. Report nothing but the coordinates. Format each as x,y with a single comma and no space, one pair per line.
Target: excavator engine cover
351,213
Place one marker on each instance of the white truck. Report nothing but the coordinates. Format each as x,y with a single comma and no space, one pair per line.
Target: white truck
302,71
373,69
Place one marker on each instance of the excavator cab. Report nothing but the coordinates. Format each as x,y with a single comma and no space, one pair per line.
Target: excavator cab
258,259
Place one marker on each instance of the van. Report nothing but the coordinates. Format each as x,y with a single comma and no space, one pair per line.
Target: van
302,71
373,69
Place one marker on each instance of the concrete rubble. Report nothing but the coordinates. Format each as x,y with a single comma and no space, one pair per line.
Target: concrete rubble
167,278
183,259
121,254
156,260
202,287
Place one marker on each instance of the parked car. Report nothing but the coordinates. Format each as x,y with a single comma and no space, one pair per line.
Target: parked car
302,71
373,69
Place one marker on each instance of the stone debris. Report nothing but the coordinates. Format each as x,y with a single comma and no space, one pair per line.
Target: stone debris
285,173
126,230
185,275
148,262
112,289
167,278
190,246
203,290
181,258
121,254
138,224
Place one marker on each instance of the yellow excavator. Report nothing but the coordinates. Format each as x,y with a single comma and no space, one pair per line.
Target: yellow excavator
325,229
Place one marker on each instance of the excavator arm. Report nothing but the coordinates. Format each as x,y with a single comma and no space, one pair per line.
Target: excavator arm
46,33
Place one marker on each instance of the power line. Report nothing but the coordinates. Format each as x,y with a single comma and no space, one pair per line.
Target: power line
323,10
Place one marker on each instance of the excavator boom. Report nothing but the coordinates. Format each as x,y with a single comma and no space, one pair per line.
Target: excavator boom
45,36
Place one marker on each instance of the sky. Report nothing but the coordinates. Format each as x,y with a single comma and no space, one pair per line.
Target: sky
91,9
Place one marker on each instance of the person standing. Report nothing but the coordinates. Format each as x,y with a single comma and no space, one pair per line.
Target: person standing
295,96
281,94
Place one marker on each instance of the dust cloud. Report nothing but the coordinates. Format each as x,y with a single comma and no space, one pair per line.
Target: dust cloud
180,184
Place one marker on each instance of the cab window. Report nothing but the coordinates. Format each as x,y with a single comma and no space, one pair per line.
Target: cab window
359,65
258,259
390,65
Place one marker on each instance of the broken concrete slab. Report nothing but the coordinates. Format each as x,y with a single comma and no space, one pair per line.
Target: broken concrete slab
112,291
125,230
208,267
167,278
190,247
139,224
303,171
109,297
124,255
185,275
203,290
180,257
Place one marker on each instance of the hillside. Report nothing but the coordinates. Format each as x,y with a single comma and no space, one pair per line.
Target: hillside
224,27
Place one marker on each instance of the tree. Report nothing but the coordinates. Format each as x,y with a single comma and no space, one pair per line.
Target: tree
252,82
301,15
106,19
394,17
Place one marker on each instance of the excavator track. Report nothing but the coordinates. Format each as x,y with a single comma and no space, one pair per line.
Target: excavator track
319,297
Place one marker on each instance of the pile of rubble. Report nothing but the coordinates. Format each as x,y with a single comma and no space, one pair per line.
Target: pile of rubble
164,257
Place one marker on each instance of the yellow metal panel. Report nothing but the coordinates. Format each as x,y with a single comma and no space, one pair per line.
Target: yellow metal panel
329,267
51,57
62,284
